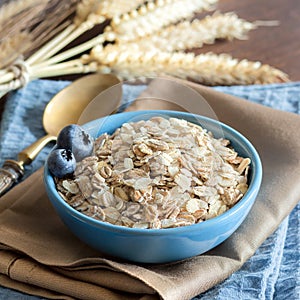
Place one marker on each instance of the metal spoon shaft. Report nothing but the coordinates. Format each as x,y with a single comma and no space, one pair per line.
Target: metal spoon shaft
30,153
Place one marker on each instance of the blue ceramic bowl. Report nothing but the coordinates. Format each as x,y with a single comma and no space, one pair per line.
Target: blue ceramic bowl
160,245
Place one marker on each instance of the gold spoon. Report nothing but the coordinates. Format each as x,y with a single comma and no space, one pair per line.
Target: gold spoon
63,109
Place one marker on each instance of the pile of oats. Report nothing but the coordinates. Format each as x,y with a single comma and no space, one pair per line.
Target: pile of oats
159,173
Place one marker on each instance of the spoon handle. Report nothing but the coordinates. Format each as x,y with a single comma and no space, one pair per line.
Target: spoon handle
13,170
27,155
9,174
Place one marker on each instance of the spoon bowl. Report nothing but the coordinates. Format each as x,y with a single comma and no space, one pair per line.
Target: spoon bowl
67,106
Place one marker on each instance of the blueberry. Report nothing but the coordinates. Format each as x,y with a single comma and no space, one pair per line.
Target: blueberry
74,138
61,162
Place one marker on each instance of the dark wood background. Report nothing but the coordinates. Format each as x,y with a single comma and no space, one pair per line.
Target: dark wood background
278,46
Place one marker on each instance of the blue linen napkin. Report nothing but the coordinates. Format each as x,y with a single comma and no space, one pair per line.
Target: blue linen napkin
273,272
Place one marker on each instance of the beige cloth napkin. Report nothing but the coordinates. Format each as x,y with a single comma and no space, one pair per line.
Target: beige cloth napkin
38,254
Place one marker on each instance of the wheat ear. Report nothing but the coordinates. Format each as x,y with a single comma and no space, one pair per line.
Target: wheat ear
187,35
107,8
209,68
153,16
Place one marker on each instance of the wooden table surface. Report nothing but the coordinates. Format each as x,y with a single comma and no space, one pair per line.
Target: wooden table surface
278,46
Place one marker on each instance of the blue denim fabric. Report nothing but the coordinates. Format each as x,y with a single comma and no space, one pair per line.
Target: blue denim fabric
273,272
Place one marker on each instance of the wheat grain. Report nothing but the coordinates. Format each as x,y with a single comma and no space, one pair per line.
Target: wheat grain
84,9
209,68
106,8
153,16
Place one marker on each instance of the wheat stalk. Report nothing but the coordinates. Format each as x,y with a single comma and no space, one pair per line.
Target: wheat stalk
100,39
87,9
209,68
188,35
54,9
38,30
64,38
153,16
76,66
46,30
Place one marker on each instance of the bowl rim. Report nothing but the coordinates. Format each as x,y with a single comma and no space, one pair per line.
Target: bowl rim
252,189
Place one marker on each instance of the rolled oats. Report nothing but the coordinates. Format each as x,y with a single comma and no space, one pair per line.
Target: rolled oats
159,173
70,186
243,165
105,171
